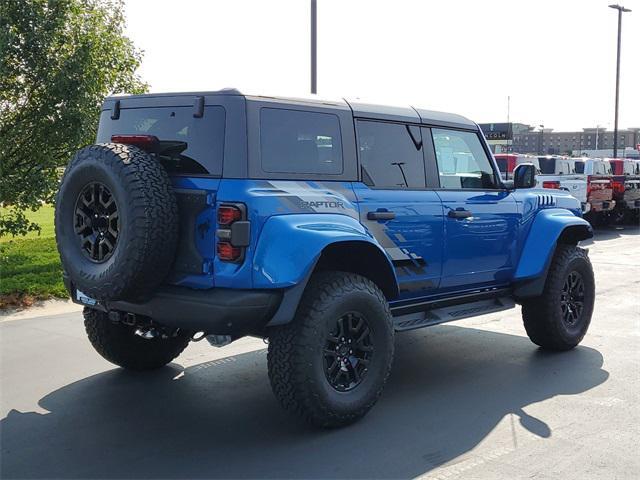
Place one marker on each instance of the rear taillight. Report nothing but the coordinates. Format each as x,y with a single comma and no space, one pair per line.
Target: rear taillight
618,187
233,232
551,184
146,142
227,214
227,252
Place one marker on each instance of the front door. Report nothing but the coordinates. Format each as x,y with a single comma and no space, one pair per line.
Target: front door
395,205
480,217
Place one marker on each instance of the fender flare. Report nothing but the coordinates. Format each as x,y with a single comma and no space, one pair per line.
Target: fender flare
288,250
290,245
549,227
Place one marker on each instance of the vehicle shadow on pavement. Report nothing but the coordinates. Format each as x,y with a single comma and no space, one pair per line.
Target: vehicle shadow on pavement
449,388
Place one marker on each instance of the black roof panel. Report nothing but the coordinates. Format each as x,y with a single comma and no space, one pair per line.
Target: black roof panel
360,110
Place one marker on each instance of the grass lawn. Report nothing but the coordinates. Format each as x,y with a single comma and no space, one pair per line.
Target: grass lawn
29,266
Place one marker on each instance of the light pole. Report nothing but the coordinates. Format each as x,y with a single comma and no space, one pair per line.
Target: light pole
615,128
314,46
541,139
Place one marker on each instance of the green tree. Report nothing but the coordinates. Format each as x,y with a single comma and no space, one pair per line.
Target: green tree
58,60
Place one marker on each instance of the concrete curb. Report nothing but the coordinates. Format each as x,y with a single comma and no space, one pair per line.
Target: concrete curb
40,309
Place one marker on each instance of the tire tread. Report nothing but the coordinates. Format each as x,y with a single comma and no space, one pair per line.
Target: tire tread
540,314
289,371
118,344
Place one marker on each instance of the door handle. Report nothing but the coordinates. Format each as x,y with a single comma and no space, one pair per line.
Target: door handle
381,215
459,213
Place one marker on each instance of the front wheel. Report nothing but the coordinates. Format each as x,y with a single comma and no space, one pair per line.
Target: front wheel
330,364
559,318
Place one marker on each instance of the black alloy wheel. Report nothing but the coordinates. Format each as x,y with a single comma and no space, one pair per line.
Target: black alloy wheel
572,299
96,222
348,352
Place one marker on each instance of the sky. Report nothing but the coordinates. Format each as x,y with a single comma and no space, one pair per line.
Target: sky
556,60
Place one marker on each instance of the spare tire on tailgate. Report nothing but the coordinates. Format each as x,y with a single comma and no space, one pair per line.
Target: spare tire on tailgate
116,222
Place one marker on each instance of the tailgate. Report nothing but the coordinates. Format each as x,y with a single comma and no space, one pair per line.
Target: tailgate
190,146
600,189
575,185
632,189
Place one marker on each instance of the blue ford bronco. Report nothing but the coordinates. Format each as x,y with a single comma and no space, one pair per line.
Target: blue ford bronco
323,226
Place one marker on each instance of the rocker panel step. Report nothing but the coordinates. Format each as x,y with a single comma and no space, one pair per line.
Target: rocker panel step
436,316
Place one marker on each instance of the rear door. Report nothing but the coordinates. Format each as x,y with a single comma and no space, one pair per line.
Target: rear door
396,204
480,217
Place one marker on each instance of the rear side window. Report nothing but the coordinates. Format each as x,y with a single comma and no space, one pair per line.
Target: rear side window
579,167
602,168
294,141
199,141
629,168
462,162
391,155
547,165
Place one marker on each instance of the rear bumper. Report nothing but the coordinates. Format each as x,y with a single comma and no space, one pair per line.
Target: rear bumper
631,204
219,311
602,205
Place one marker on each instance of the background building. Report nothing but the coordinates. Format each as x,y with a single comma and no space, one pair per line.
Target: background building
521,138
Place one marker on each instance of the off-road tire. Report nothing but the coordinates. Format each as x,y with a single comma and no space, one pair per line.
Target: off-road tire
631,217
295,356
543,315
147,221
118,344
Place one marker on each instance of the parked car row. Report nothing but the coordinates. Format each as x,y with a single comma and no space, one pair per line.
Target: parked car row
608,188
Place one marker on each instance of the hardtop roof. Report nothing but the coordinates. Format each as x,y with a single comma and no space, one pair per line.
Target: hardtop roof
406,113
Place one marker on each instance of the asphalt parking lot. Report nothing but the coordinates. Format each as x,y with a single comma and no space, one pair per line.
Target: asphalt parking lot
474,399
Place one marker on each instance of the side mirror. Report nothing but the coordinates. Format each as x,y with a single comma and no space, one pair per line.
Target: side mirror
524,176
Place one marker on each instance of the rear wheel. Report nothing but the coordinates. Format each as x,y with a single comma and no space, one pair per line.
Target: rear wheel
119,344
330,364
559,318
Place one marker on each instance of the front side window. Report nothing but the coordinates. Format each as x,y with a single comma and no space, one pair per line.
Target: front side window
294,141
391,155
462,162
